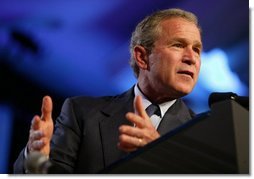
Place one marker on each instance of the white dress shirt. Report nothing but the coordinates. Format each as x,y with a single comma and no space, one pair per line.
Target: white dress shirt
155,119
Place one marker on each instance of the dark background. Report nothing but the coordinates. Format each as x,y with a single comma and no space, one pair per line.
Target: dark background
70,48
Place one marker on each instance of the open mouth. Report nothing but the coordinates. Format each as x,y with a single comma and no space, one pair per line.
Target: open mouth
189,73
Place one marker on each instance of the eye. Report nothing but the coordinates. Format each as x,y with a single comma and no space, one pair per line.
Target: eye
197,50
179,45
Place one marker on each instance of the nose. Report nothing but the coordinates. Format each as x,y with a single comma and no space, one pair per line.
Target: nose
189,56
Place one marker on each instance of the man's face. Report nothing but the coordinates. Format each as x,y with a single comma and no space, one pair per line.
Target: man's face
174,62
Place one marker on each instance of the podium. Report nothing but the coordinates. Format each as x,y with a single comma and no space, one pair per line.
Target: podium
214,142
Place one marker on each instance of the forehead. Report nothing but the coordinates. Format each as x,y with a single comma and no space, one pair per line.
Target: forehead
179,27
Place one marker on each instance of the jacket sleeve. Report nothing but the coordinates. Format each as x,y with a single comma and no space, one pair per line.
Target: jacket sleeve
66,139
19,163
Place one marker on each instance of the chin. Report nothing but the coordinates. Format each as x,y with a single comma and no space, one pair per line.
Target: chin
183,91
179,89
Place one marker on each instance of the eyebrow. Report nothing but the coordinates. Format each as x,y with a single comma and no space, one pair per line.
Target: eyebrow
183,40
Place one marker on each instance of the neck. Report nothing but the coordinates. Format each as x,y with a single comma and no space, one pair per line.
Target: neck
153,95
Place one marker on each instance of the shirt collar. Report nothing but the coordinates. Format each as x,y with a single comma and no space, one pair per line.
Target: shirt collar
163,106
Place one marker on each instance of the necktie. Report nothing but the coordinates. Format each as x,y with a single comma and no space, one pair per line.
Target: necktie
154,113
153,109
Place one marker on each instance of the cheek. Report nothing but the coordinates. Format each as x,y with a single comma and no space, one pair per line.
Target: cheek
164,65
198,66
167,75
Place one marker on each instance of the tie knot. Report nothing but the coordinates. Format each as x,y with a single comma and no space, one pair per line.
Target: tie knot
153,109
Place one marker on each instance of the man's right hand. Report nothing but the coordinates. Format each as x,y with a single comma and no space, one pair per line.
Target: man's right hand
41,129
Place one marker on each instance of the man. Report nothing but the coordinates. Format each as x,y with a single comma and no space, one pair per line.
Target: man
92,133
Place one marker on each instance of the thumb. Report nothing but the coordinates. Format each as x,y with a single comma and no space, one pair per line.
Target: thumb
46,108
138,105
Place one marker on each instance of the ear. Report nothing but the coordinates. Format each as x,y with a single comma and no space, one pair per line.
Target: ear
141,58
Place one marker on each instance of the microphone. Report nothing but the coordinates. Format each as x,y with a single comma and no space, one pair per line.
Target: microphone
37,163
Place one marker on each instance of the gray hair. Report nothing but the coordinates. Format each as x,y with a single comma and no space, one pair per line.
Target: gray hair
147,30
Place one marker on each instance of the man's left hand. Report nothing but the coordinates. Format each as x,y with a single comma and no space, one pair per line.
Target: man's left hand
143,131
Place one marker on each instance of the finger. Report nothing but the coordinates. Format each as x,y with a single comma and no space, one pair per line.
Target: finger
130,141
125,145
35,124
46,108
37,145
126,148
134,118
131,131
138,105
36,135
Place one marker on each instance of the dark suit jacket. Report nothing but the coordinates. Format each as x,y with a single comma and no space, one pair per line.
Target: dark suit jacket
86,132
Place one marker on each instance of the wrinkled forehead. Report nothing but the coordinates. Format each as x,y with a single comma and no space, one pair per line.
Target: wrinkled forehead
175,23
178,27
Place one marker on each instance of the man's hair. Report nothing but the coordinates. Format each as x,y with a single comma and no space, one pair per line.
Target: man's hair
148,29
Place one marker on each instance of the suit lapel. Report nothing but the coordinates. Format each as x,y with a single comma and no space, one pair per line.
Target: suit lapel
114,114
175,116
